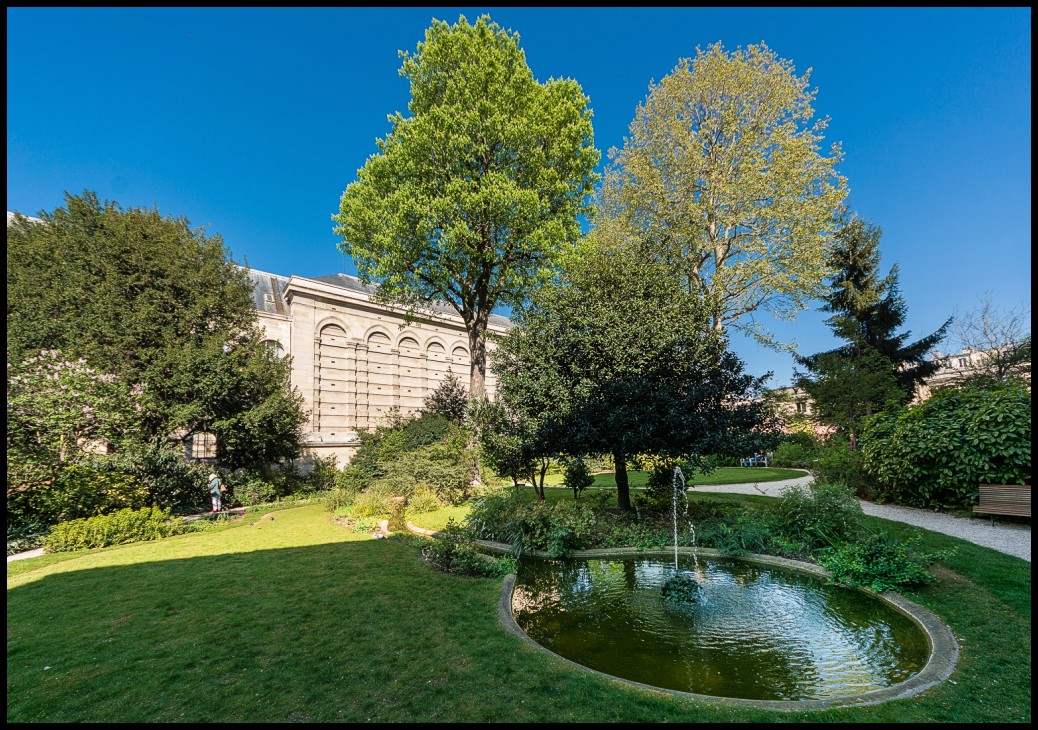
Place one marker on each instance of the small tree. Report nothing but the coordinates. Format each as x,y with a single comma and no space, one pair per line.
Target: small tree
616,359
1001,339
876,364
577,476
449,399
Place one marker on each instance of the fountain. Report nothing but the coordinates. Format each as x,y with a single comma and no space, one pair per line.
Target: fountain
683,586
747,630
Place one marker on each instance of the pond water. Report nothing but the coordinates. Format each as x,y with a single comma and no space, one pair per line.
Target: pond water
752,631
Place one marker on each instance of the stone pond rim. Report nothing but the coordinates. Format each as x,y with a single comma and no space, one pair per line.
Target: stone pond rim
944,649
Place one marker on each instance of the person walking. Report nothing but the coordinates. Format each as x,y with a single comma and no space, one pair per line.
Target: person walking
215,487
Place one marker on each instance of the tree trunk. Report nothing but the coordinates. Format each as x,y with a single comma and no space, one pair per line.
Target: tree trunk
477,382
477,361
623,491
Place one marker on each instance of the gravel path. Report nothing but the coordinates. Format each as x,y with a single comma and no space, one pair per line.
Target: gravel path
1011,539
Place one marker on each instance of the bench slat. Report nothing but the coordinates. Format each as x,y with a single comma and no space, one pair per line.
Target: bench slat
1005,499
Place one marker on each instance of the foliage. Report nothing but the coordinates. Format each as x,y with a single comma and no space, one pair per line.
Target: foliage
448,399
75,446
339,500
938,452
423,500
616,359
251,492
798,451
455,552
24,537
553,527
738,532
881,562
423,455
157,303
837,463
119,527
262,483
577,476
820,516
722,179
876,365
472,197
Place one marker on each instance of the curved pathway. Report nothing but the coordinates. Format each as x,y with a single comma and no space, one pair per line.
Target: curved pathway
1011,539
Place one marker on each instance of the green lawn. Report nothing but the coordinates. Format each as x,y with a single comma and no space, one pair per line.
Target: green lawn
722,475
298,619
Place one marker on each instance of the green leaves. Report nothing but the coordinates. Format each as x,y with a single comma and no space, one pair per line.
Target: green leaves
722,178
937,453
473,197
151,300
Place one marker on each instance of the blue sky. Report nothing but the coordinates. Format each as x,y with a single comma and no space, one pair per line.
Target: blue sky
253,121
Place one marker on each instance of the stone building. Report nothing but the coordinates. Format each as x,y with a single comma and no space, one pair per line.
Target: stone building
353,359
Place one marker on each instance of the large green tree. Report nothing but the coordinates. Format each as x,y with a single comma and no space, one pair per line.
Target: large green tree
156,303
616,359
876,364
471,198
722,178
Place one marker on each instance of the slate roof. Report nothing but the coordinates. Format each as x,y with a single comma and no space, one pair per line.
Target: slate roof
269,292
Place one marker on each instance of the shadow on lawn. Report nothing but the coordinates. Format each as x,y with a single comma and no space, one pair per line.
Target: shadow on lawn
219,637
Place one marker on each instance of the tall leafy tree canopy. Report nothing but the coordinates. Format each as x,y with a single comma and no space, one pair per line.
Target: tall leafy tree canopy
471,199
159,304
877,363
616,359
722,178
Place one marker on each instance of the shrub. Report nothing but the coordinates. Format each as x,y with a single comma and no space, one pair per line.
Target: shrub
577,476
339,500
554,527
797,451
938,452
117,528
372,502
743,531
837,463
822,515
422,500
252,492
454,551
880,562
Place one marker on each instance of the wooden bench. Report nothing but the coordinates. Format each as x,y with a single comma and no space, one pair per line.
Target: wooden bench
1004,499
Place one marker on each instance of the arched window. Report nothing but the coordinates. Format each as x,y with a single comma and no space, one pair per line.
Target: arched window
275,347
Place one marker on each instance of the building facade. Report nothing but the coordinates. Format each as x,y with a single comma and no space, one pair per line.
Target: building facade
794,404
354,359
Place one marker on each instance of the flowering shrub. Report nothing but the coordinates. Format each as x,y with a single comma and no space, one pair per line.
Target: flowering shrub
60,415
65,408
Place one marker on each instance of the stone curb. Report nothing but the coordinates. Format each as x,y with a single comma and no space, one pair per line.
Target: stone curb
944,649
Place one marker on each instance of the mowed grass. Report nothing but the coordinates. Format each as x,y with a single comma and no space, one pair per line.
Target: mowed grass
298,619
437,520
721,475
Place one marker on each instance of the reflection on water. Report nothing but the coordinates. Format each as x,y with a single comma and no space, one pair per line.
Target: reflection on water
757,633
